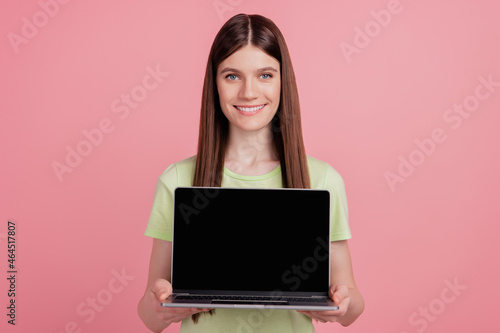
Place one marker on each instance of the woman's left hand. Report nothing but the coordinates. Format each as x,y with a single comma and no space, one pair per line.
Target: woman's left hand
340,295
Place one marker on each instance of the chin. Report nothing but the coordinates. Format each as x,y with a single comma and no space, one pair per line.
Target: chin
252,127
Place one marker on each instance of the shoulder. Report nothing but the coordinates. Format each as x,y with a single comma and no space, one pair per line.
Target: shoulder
322,174
180,172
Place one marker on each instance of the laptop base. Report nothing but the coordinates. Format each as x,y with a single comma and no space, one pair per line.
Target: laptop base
318,304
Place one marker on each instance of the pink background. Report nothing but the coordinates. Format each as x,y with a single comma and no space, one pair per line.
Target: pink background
361,113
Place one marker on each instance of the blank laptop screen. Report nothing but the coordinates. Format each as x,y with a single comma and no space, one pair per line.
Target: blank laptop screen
243,240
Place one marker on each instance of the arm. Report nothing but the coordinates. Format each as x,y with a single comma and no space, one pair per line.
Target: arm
343,289
154,316
342,275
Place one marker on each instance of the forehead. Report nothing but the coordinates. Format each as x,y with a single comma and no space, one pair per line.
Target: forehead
249,57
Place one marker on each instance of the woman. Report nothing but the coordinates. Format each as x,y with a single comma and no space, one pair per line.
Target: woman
250,136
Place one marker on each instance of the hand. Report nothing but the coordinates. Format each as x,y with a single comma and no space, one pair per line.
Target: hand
340,295
159,291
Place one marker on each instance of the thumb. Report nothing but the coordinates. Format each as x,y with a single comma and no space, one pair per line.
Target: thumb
338,293
161,289
331,291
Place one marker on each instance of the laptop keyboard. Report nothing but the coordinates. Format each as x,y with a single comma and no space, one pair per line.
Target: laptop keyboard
250,298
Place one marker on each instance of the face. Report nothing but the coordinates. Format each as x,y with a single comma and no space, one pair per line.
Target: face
248,82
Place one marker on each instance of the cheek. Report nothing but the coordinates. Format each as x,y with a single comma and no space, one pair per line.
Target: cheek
274,93
223,99
278,94
274,89
224,94
220,91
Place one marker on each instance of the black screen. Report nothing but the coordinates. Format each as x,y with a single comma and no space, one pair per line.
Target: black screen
251,239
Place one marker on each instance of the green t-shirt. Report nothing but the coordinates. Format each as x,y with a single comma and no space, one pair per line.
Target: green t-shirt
160,223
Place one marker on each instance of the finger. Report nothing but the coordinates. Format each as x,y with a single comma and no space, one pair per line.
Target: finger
343,306
161,289
319,316
191,311
325,315
177,314
319,320
184,313
196,310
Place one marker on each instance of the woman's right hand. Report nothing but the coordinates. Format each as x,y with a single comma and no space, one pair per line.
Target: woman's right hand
157,293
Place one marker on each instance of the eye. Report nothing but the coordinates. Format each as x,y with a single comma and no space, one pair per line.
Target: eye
231,77
268,76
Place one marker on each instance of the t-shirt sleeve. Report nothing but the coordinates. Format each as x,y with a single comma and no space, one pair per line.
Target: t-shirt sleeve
161,218
338,205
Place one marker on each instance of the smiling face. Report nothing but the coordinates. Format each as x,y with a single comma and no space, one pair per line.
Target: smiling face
248,82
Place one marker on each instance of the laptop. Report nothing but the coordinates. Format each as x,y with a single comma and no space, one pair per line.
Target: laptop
251,248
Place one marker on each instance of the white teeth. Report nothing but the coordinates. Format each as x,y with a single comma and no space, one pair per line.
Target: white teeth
250,109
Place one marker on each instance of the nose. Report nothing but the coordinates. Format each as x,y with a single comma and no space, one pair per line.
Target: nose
249,89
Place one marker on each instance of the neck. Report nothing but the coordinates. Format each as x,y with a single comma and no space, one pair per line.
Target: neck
252,152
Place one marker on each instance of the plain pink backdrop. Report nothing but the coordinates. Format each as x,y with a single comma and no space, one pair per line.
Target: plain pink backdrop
370,85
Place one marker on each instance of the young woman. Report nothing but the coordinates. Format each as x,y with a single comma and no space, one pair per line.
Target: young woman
250,136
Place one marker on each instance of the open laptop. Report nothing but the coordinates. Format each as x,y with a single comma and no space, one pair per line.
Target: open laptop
251,248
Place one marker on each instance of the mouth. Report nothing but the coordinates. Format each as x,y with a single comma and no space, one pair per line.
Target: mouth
250,109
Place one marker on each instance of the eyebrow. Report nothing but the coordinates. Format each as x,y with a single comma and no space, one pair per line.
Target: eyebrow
263,69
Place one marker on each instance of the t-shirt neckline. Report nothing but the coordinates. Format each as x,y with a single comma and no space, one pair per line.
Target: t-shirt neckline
258,177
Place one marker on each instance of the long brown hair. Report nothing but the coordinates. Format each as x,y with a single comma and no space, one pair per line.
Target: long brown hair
237,32
241,30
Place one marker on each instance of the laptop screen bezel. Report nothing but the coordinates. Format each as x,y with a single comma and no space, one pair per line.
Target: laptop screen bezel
213,191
